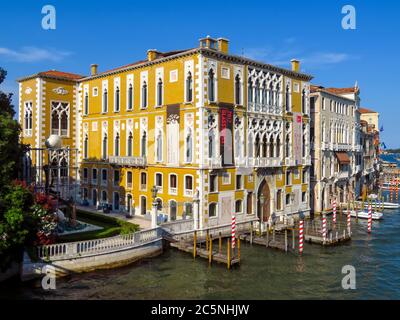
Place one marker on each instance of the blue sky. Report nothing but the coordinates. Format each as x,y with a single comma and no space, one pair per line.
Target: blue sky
114,33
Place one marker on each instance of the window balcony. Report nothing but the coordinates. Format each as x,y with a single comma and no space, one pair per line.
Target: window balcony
104,183
128,161
143,187
188,193
290,162
342,175
129,185
215,163
173,191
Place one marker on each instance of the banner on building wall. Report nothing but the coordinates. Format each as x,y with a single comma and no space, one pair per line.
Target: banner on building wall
226,134
297,137
173,134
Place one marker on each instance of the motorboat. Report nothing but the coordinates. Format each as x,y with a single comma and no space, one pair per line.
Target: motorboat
364,215
378,204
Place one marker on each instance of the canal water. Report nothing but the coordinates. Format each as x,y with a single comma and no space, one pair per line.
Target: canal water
263,273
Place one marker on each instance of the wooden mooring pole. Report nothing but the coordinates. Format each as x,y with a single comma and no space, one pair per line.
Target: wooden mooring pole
207,237
210,251
229,254
251,232
194,244
220,243
238,244
286,241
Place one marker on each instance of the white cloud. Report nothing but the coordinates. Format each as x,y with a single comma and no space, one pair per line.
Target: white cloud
33,54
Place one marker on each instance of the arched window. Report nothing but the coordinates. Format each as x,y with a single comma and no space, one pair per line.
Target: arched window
303,101
116,145
104,147
271,146
159,147
86,147
143,181
129,179
278,146
105,100
250,93
264,96
64,123
250,149
189,87
104,176
239,206
238,144
86,109
287,145
189,147
54,123
287,98
211,85
257,145
130,97
143,204
256,95
211,144
130,145
238,90
212,210
271,94
59,118
304,146
104,196
264,146
159,92
144,94
116,106
172,210
143,144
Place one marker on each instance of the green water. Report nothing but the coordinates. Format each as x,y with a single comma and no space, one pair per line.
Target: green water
263,273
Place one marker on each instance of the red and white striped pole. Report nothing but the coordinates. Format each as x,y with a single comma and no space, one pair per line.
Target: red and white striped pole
334,210
233,231
369,218
324,227
301,236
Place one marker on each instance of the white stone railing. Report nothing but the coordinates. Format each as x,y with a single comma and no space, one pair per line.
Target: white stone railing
61,251
215,162
259,162
128,161
179,226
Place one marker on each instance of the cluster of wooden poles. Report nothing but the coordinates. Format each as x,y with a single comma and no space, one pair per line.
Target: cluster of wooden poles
232,252
394,189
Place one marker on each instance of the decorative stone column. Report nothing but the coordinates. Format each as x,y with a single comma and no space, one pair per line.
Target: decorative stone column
196,210
154,215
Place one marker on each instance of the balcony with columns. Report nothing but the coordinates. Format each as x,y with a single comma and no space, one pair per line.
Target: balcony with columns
128,161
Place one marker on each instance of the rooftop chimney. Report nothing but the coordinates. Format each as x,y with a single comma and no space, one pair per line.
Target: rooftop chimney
152,54
295,65
93,69
223,45
209,43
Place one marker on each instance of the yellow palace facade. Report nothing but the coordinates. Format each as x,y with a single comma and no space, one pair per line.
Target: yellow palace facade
196,124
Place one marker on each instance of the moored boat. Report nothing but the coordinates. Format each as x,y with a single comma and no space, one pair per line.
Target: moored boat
364,215
386,205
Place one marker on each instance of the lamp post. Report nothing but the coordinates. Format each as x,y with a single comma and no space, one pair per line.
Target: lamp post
154,191
261,212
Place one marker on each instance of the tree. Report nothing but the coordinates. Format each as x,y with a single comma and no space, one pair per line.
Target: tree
11,150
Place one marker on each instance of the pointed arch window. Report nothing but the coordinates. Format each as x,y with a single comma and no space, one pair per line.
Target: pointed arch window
104,147
130,97
287,98
159,92
250,146
271,94
211,144
238,90
144,94
117,99
189,146
189,87
105,100
116,145
28,118
257,94
303,101
250,93
278,146
264,146
287,144
257,145
86,147
143,144
59,118
211,86
159,146
130,145
86,108
271,146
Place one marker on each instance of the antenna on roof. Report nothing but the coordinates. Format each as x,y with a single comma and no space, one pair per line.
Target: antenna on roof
242,52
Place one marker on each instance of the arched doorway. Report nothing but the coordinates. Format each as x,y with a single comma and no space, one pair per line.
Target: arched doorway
94,197
128,203
116,201
265,208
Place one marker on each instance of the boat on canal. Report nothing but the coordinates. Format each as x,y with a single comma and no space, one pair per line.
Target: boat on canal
386,205
364,215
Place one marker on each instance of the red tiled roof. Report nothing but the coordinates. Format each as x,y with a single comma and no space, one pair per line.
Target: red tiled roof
60,74
365,110
342,90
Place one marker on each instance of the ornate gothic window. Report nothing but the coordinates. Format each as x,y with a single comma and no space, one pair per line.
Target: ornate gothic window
278,146
116,145
211,144
257,146
303,101
250,93
287,145
28,118
189,146
86,108
59,118
104,147
257,95
143,143
271,146
287,98
159,143
250,146
86,147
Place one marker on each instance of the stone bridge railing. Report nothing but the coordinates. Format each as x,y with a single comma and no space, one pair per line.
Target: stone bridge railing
62,251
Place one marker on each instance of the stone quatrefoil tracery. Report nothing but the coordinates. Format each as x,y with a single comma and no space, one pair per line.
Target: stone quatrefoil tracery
265,92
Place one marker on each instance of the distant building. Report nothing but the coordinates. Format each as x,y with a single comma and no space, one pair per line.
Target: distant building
336,150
